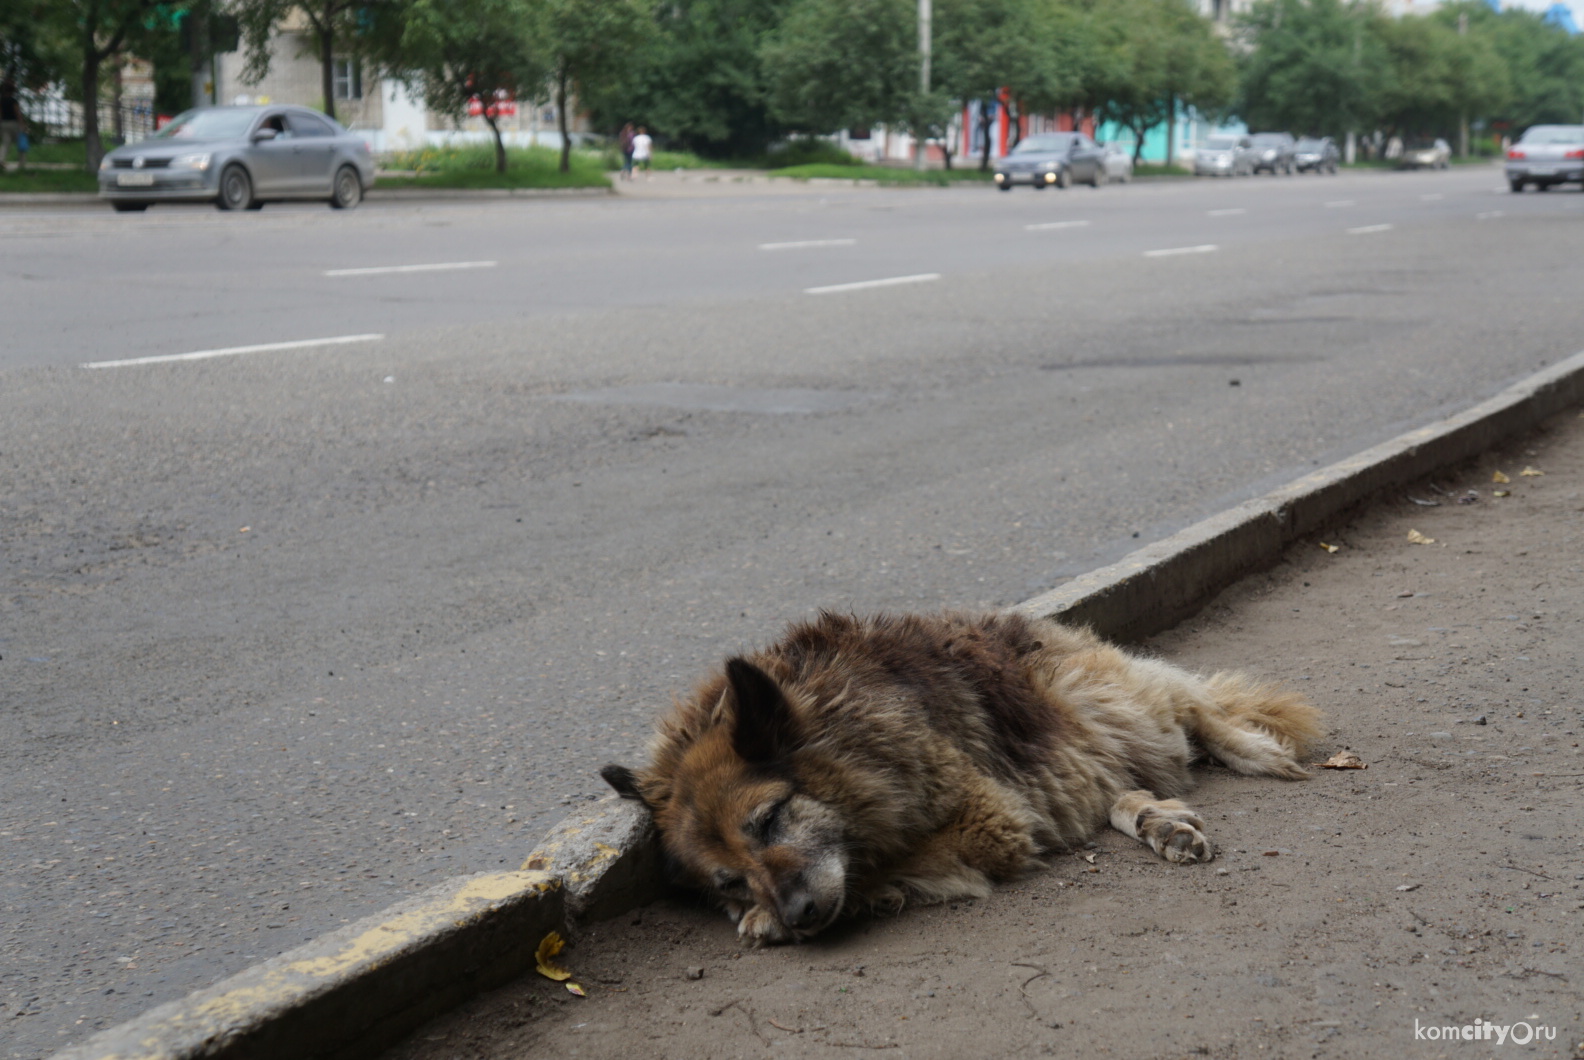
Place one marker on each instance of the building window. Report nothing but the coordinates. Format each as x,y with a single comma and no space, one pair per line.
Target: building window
348,79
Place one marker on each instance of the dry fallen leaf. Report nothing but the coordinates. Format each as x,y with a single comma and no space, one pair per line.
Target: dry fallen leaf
1408,886
1531,472
1501,493
573,988
1344,760
1329,548
549,946
1088,857
1419,539
1499,477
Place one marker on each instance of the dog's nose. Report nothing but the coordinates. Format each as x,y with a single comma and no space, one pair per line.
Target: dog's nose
799,910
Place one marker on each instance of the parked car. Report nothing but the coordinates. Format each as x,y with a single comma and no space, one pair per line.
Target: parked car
1425,154
1118,161
1547,155
1224,156
1316,154
1046,159
1273,152
239,158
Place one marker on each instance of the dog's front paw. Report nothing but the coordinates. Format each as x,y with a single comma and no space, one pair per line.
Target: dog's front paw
1176,835
762,927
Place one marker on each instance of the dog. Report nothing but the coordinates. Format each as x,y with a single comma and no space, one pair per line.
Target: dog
863,763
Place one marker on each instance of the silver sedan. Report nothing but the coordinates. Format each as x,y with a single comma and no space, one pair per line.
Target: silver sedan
239,158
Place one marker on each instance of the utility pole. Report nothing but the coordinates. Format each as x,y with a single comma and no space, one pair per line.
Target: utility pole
924,82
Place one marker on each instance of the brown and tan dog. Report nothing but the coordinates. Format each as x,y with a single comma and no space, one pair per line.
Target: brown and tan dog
862,763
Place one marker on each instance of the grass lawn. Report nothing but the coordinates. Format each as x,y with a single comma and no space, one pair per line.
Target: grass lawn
1156,169
47,180
882,174
473,166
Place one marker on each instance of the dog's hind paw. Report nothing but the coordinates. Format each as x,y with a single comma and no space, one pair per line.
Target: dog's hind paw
760,926
1176,835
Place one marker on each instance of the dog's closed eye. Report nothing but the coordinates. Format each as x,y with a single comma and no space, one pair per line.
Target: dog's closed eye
764,821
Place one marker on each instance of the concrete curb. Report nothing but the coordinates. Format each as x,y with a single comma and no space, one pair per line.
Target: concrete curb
357,990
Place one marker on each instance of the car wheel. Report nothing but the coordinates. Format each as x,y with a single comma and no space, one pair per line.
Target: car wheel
1038,185
1516,185
1063,178
1101,177
236,189
1003,186
1543,185
347,191
129,207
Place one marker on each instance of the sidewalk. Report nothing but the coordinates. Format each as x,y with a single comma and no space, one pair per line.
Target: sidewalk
1345,916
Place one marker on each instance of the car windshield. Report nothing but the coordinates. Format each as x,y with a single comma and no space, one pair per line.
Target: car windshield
1268,139
1043,144
1309,145
1220,143
1554,134
215,123
1423,145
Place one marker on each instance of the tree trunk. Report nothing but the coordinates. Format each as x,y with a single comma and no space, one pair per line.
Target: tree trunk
90,101
500,148
327,62
985,124
561,119
1171,130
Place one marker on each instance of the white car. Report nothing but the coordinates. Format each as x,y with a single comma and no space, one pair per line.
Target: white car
1547,155
1118,162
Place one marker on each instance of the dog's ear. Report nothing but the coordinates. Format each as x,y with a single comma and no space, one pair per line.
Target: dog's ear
624,780
763,731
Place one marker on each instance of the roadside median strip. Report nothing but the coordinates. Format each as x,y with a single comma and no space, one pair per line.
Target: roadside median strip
357,990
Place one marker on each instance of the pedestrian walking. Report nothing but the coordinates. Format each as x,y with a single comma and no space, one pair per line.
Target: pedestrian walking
12,126
624,140
643,149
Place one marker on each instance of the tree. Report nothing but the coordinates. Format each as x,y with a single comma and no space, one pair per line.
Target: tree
1312,66
699,77
330,20
1439,77
835,64
589,42
98,31
1545,65
452,52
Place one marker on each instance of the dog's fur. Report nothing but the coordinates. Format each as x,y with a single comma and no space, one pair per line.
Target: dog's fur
861,763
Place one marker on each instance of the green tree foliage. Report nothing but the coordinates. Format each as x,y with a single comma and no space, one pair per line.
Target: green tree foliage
1545,65
589,43
698,77
1439,77
1151,55
1313,66
334,24
452,51
834,64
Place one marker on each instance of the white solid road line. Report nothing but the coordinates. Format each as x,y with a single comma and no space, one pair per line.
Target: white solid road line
1225,213
893,281
1341,202
1169,252
232,351
443,266
1052,225
805,243
1365,230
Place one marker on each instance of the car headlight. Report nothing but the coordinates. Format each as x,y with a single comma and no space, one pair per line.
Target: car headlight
198,161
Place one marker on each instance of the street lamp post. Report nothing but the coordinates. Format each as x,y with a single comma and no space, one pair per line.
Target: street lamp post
924,82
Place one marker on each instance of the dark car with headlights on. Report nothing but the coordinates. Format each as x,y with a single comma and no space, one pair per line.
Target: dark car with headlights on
239,158
1546,155
1273,152
1052,159
1316,154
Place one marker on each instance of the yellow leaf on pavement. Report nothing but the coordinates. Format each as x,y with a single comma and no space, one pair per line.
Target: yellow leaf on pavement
573,988
1344,760
1419,539
1499,477
1329,548
1531,472
549,946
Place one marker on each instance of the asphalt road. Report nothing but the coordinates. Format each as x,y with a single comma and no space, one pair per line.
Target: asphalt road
286,635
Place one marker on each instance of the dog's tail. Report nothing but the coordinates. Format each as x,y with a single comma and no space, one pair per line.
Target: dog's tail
1255,728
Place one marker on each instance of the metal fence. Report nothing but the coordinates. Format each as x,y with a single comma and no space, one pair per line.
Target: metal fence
51,115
